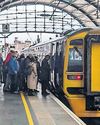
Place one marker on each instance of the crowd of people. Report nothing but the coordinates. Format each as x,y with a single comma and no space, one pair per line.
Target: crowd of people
20,73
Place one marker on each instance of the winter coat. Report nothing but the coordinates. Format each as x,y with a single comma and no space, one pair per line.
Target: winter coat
13,66
32,78
7,58
25,66
45,70
38,69
21,65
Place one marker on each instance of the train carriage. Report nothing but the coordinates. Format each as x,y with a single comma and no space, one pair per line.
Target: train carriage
75,67
81,72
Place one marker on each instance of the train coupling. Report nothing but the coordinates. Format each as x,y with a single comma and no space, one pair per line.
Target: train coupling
97,102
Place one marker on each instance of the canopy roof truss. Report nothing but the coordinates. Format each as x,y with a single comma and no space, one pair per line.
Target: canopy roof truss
86,12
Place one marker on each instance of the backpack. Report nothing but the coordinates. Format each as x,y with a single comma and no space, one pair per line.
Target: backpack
28,71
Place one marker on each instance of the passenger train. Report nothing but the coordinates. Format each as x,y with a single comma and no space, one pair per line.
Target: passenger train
75,68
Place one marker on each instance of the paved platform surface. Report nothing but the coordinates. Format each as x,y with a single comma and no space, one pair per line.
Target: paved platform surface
48,112
11,109
20,109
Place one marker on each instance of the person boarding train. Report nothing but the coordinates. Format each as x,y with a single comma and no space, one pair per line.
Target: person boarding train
32,77
45,75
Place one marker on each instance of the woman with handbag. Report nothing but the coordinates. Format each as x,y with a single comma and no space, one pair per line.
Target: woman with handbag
32,77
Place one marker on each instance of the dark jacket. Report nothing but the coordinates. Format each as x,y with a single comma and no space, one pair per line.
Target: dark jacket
26,65
1,61
45,70
21,65
38,69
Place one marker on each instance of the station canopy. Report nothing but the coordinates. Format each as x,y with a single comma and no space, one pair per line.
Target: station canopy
86,12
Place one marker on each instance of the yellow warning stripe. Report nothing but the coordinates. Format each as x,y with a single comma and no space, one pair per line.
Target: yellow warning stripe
28,114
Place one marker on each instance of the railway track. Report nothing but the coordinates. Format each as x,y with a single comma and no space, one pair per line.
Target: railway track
88,121
91,121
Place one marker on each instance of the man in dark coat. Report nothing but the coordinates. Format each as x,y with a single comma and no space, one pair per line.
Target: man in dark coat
25,69
45,75
21,77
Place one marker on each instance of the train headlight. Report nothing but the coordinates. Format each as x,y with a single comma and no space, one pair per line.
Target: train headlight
74,77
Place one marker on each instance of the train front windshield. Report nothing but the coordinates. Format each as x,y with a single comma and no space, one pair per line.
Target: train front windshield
75,60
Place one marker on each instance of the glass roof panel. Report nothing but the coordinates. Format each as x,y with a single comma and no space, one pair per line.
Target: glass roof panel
37,18
78,9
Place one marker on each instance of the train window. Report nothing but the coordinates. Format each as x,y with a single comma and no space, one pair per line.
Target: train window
93,38
75,60
76,42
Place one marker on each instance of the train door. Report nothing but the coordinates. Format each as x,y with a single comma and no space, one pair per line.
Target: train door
57,52
52,63
92,71
58,70
73,68
95,67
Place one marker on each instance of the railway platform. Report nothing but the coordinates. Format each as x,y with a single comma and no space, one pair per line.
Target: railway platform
20,109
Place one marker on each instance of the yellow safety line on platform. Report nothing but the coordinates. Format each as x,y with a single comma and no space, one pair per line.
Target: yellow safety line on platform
28,114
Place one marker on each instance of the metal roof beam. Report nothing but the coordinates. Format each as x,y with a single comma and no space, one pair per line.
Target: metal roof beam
81,10
51,2
92,3
54,10
14,2
96,5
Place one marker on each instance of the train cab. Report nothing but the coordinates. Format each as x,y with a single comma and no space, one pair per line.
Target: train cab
81,72
92,70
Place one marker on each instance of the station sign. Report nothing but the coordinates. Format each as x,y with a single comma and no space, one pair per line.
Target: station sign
5,28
